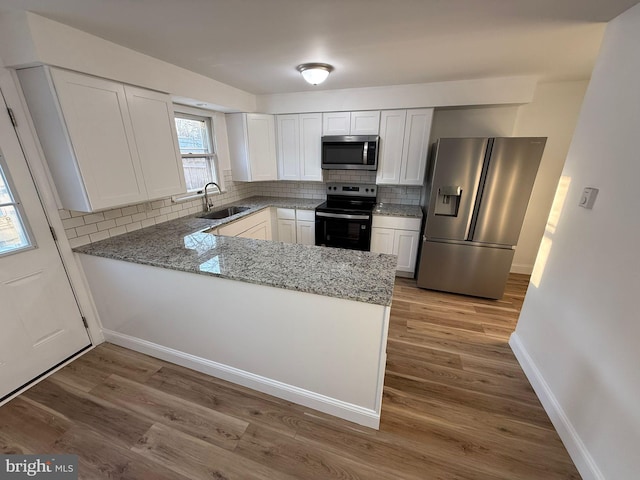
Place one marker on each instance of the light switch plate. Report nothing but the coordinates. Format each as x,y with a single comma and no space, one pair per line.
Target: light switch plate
588,197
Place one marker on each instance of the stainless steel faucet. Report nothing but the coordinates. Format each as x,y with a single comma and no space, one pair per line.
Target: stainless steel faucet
207,203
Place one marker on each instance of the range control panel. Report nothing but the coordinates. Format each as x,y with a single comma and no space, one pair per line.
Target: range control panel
352,189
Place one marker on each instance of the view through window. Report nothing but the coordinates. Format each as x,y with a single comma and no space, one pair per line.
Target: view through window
196,148
13,235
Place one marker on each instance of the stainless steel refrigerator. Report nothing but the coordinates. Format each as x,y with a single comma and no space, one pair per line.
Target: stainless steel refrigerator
477,194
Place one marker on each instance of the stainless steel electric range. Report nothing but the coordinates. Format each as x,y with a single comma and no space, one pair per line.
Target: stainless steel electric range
344,220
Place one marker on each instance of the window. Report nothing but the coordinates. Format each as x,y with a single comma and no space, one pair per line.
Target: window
196,147
13,234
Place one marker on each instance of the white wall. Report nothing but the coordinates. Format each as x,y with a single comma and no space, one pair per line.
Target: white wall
577,337
486,91
491,121
28,39
552,114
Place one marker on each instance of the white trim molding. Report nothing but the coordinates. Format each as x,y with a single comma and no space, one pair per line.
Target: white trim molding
577,450
322,403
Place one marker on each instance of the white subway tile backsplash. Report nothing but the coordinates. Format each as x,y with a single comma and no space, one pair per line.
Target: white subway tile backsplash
123,220
130,210
94,226
139,217
93,218
117,231
147,222
86,229
115,213
106,225
133,226
79,241
72,222
96,237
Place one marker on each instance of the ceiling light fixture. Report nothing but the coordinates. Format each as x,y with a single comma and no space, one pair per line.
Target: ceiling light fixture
315,73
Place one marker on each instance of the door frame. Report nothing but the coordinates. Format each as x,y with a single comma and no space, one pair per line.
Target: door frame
35,159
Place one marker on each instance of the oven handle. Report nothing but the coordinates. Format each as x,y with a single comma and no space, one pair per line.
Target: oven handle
343,215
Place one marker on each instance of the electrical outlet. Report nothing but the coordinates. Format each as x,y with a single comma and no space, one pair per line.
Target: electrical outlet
588,197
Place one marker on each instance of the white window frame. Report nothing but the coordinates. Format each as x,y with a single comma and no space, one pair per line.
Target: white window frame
183,111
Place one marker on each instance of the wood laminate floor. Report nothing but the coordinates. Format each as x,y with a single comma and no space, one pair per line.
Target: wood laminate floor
456,406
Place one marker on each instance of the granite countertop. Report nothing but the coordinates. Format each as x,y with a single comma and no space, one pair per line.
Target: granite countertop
398,210
180,245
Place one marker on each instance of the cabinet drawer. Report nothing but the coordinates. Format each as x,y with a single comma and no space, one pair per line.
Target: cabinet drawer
306,215
286,213
398,223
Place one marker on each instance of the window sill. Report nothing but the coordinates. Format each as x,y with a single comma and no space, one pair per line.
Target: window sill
185,197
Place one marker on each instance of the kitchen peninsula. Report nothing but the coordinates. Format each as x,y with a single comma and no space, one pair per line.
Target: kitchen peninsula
304,323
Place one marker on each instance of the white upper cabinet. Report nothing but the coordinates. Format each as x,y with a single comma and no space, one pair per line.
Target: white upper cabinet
93,148
404,146
336,123
252,146
153,122
311,147
390,148
288,147
299,146
351,123
365,123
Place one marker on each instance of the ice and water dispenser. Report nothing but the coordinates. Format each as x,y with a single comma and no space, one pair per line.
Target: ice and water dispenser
448,201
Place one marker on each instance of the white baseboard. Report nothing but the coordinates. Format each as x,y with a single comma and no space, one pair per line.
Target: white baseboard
577,450
521,268
322,403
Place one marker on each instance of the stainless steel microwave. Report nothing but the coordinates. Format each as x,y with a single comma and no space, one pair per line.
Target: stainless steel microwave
350,152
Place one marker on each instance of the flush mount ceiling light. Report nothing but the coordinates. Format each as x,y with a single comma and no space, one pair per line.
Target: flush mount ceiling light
315,73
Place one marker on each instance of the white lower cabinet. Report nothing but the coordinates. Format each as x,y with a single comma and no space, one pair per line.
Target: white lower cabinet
398,236
257,225
306,227
286,222
296,226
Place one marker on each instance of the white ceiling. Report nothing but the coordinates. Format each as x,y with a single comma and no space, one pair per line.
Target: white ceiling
255,45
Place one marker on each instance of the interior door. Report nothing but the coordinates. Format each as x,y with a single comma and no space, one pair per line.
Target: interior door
40,320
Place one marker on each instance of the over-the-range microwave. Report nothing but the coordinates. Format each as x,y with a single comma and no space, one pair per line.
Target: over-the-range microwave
350,152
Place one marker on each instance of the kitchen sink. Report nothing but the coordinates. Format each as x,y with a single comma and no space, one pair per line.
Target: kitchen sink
223,213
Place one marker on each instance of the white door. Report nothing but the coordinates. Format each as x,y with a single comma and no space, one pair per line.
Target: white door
40,320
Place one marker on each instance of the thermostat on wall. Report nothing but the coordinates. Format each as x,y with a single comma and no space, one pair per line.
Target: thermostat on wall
588,197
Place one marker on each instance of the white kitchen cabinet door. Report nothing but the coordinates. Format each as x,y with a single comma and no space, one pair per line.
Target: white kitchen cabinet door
392,124
85,129
252,146
258,232
286,230
306,232
288,146
416,146
382,240
405,246
336,123
153,122
310,147
365,123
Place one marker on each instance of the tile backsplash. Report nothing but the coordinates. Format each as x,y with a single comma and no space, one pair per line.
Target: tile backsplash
82,228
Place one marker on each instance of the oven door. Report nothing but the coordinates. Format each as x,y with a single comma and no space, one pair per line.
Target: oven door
343,230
